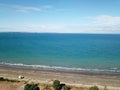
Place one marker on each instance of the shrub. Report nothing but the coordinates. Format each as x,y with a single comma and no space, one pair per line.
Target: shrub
94,88
56,85
8,80
65,88
1,79
27,86
31,87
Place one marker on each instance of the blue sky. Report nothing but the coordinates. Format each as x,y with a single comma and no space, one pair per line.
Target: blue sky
61,16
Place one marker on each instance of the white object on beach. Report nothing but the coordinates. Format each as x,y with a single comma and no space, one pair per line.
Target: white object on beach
20,77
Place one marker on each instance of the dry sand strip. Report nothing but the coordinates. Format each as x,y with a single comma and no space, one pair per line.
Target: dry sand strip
112,82
11,86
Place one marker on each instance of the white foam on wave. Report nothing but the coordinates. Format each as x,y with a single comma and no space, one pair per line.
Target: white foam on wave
59,68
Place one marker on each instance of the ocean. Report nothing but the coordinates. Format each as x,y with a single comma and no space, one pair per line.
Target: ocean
58,51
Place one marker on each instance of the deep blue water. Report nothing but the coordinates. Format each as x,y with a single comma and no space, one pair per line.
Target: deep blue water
79,51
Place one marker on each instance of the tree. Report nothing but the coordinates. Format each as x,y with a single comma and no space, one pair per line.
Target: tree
56,85
31,87
94,88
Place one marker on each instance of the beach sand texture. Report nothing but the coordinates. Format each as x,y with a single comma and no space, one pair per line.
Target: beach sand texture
47,77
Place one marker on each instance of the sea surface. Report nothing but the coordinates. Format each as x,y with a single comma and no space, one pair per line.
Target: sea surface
75,52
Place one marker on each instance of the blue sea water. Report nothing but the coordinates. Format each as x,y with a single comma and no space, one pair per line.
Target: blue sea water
97,52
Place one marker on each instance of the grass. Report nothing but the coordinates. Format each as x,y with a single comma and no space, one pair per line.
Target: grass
44,86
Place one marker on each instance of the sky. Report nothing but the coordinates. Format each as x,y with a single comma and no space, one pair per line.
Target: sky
60,16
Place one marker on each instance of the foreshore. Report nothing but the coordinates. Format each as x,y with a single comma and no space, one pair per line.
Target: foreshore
75,79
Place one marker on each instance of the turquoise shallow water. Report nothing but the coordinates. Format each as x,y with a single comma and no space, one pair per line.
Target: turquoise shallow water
96,52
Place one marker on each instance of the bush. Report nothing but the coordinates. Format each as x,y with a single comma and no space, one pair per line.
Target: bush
94,88
1,79
65,88
8,80
56,85
31,87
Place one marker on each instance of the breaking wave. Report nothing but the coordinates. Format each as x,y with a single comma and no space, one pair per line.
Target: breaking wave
59,68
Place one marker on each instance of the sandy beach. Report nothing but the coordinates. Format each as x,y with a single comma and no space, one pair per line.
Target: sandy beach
79,80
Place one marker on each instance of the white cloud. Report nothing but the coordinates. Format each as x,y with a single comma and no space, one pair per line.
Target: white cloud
107,19
98,24
93,29
26,8
114,29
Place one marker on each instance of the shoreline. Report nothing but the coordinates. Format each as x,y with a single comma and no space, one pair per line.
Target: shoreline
61,70
74,79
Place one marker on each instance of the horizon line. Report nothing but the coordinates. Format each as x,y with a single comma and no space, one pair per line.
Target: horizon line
59,33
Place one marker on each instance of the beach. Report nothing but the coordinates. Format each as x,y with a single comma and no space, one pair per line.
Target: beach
73,79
